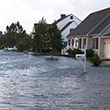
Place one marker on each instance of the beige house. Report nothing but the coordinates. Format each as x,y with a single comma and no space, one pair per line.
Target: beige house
94,32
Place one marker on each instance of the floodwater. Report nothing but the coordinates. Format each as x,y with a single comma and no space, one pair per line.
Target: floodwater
34,83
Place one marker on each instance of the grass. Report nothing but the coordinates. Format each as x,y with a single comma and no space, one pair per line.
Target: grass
106,66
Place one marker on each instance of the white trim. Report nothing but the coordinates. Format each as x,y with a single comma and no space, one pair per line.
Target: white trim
105,36
104,29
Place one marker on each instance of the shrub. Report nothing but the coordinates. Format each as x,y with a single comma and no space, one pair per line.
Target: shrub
76,51
95,60
89,53
69,51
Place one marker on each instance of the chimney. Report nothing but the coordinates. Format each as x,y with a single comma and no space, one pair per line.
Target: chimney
62,15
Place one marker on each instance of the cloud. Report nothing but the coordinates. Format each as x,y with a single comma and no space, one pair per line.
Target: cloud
27,12
86,2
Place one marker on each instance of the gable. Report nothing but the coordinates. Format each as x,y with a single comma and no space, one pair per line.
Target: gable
91,24
62,18
105,31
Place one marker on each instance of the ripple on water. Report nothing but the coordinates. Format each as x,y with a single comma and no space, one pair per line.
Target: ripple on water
33,83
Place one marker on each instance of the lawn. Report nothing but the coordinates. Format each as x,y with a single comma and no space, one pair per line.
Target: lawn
106,66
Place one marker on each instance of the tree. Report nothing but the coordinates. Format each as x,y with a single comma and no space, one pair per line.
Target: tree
40,35
54,38
16,36
14,33
24,44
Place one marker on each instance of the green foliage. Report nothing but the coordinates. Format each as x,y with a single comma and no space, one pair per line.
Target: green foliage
106,66
89,53
74,52
15,36
69,51
21,46
95,60
55,52
24,44
54,39
39,40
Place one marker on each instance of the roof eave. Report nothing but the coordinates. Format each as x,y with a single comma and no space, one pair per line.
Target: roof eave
76,36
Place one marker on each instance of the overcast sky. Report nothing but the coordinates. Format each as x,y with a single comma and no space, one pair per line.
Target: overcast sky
28,12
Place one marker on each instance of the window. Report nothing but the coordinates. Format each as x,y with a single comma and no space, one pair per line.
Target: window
71,17
80,43
69,42
95,43
72,42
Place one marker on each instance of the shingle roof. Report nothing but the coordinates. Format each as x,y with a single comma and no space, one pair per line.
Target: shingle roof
93,24
107,34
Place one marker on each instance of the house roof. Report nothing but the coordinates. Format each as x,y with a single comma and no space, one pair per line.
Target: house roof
66,26
107,34
92,24
61,19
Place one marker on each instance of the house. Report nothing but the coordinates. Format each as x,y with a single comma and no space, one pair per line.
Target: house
94,32
65,23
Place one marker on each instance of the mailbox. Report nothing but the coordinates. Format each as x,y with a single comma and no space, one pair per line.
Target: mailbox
82,59
80,56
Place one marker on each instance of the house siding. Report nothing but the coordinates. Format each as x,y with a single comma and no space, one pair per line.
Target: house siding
105,46
73,24
65,21
101,50
89,42
67,31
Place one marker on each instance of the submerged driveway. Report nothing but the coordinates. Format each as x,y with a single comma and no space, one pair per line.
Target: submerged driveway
35,83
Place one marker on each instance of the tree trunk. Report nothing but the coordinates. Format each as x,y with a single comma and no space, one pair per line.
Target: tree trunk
52,54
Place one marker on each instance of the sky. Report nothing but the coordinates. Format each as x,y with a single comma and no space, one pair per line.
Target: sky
28,12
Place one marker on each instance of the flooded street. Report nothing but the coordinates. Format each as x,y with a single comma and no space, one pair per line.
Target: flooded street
34,83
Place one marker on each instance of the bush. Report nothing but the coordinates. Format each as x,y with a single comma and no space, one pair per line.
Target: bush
89,53
74,52
95,60
69,51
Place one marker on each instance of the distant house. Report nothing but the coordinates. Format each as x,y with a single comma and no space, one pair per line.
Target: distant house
94,32
65,23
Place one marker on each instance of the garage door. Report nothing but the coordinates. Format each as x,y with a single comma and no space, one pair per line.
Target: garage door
108,50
